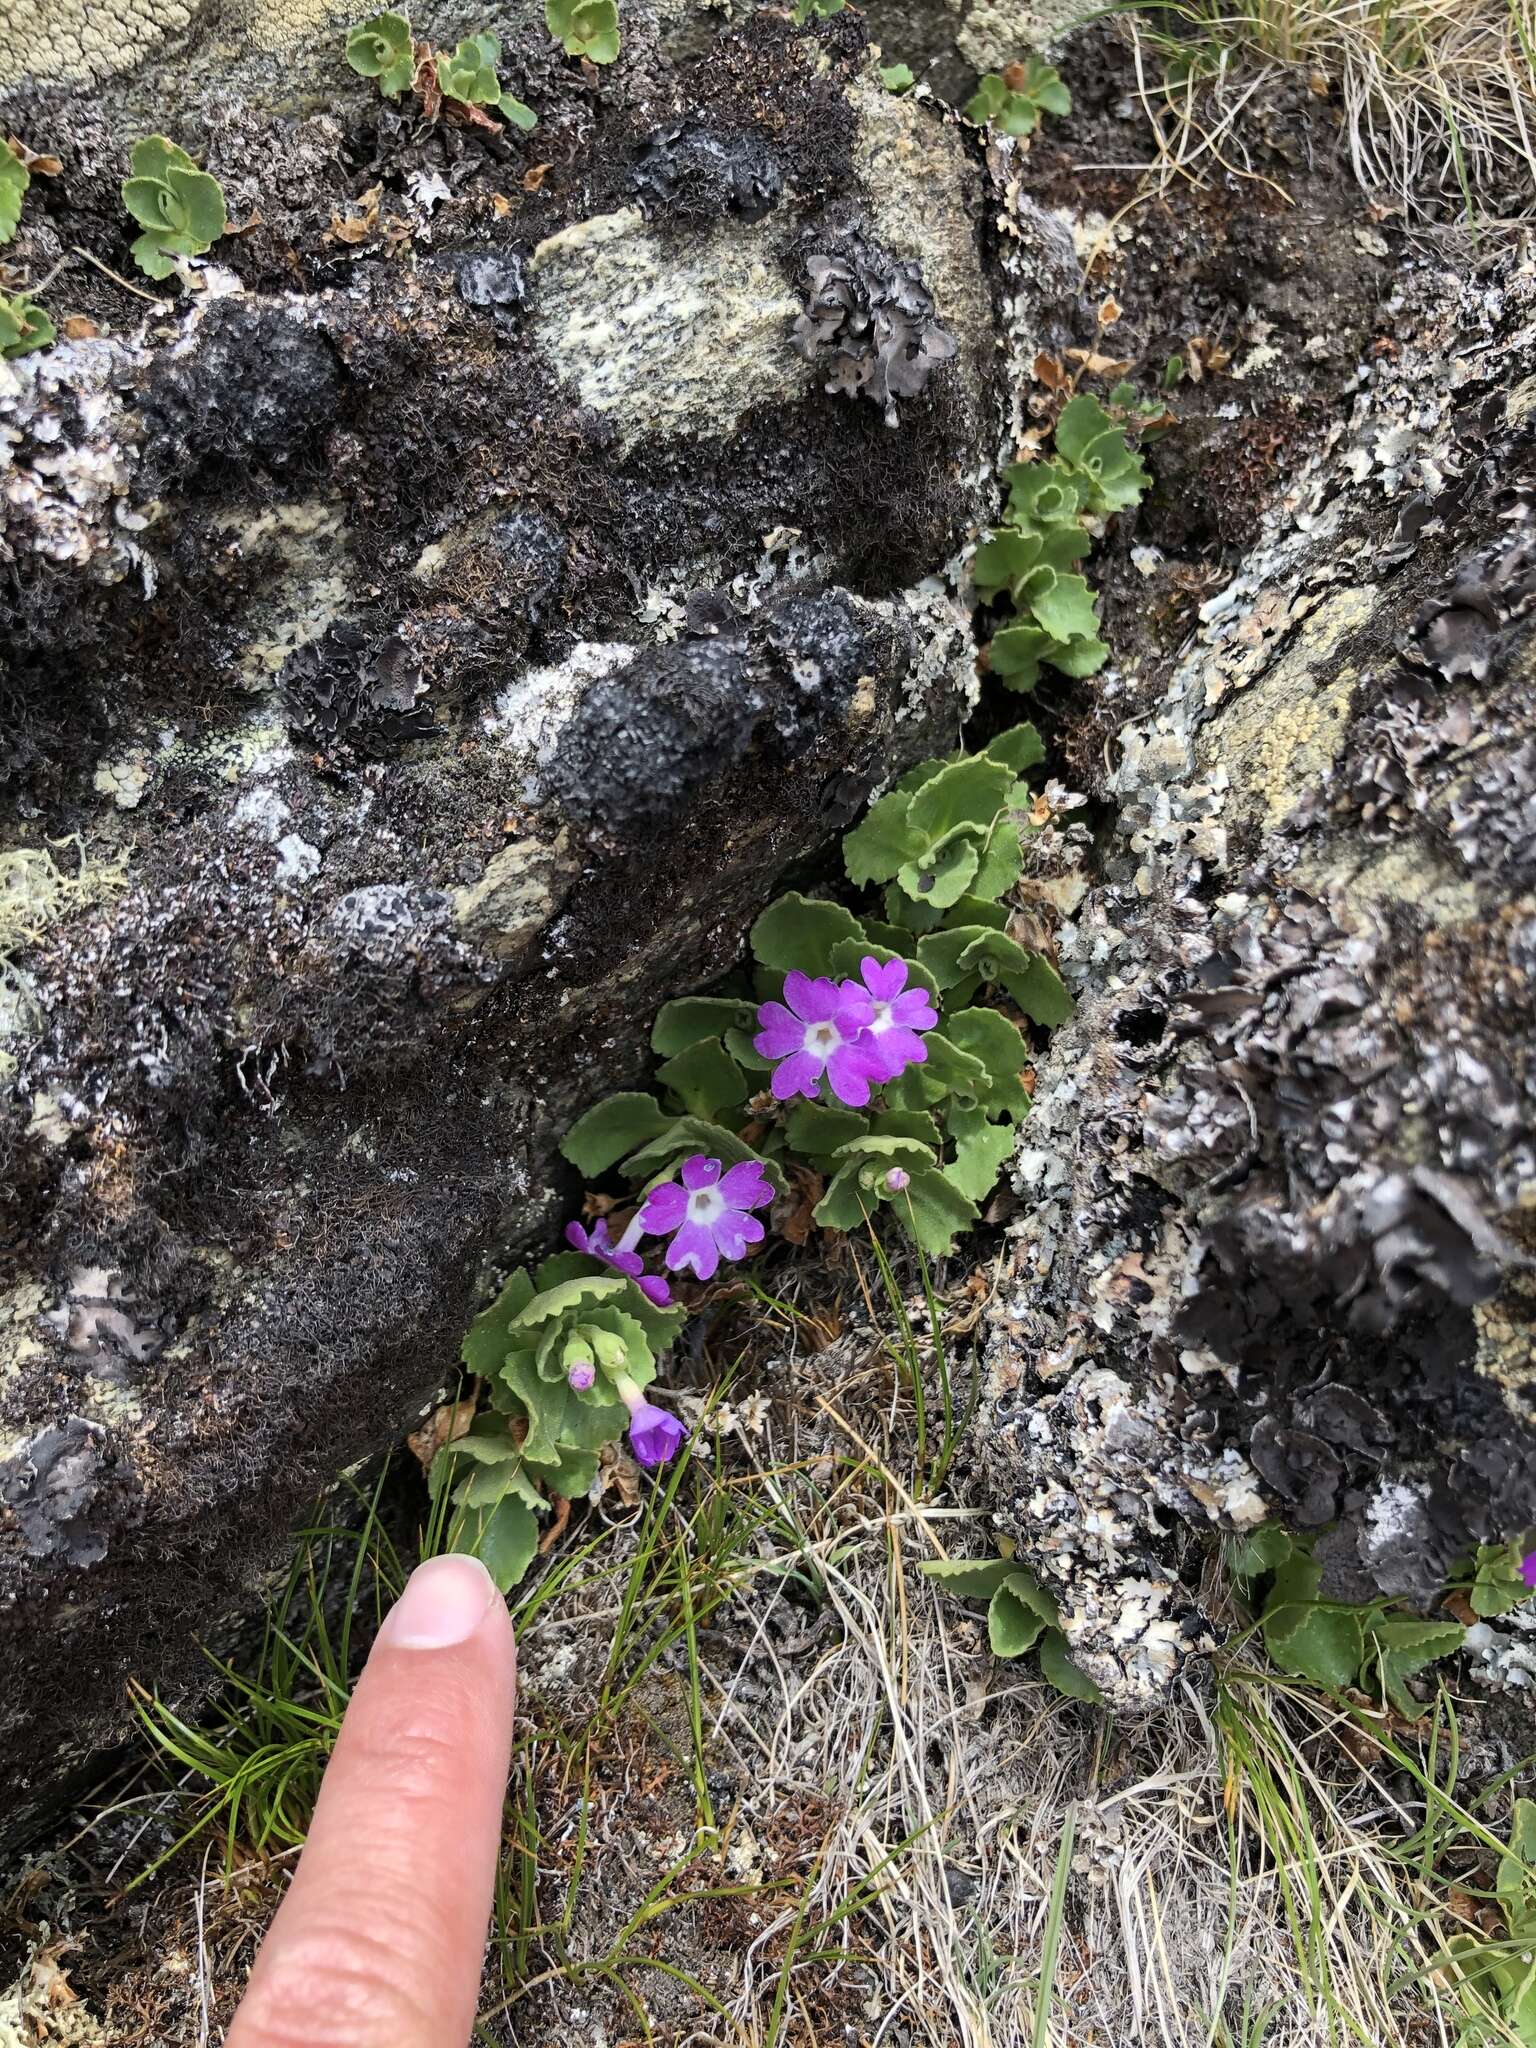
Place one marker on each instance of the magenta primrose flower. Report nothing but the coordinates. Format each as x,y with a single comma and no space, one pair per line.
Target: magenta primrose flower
621,1256
897,1014
708,1216
654,1435
817,1030
1528,1569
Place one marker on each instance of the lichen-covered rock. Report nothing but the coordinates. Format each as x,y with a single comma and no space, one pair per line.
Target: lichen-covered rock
435,637
1275,1255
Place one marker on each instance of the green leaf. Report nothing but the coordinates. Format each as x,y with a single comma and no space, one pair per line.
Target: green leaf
945,954
704,1078
816,1132
562,1266
24,326
1017,654
934,1211
1058,1668
1065,606
946,871
1498,1584
897,77
516,113
505,1539
948,1070
149,252
1517,1869
981,1150
1261,1551
1019,748
968,792
907,1123
969,1578
1320,1643
1039,991
1081,422
1013,1624
381,48
845,1205
587,28
689,1019
1002,863
153,155
797,931
201,199
14,180
487,1341
883,841
150,201
1401,1645
996,1044
686,1135
611,1129
988,100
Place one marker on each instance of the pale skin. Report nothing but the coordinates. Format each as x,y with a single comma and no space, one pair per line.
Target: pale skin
380,1938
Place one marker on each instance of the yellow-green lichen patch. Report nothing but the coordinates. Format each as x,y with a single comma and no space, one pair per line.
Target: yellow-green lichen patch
672,342
1285,731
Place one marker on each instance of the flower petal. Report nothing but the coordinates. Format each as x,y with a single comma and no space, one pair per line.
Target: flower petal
575,1235
744,1186
849,1072
693,1246
915,1010
780,1032
734,1231
664,1208
655,1289
796,1076
700,1172
885,980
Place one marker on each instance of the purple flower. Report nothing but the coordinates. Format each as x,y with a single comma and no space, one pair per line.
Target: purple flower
1528,1569
817,1030
897,1014
654,1435
897,1179
580,1377
621,1256
708,1213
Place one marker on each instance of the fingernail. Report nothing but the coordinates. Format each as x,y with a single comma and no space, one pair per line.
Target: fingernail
444,1602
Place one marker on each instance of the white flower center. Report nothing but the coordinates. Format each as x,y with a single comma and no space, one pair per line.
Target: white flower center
881,1020
705,1204
822,1040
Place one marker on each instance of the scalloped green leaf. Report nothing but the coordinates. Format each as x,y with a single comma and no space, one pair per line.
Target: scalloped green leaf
613,1128
883,842
997,1046
935,1211
817,1132
946,871
505,1539
14,180
1321,1643
981,1151
801,931
1013,1625
704,1079
689,1019
1057,1667
487,1342
1399,1646
970,792
969,1578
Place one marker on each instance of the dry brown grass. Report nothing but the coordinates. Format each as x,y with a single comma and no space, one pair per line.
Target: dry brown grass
1438,96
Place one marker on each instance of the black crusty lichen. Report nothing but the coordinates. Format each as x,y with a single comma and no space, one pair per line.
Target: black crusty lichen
870,322
696,173
645,739
357,692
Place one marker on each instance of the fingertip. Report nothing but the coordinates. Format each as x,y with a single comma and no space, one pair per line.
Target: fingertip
445,1602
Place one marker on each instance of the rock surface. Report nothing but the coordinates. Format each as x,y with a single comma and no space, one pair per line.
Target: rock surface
427,648
1278,1186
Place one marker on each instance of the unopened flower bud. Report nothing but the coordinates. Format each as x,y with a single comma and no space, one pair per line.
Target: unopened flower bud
897,1179
580,1377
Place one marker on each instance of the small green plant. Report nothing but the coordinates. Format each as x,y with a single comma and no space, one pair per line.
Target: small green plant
469,76
565,1357
14,180
1374,1649
1496,1980
1092,471
821,10
1495,1581
179,207
928,1143
23,325
1021,1616
897,78
1014,99
586,28
382,47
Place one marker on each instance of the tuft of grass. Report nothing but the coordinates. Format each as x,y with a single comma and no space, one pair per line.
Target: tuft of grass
1438,96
